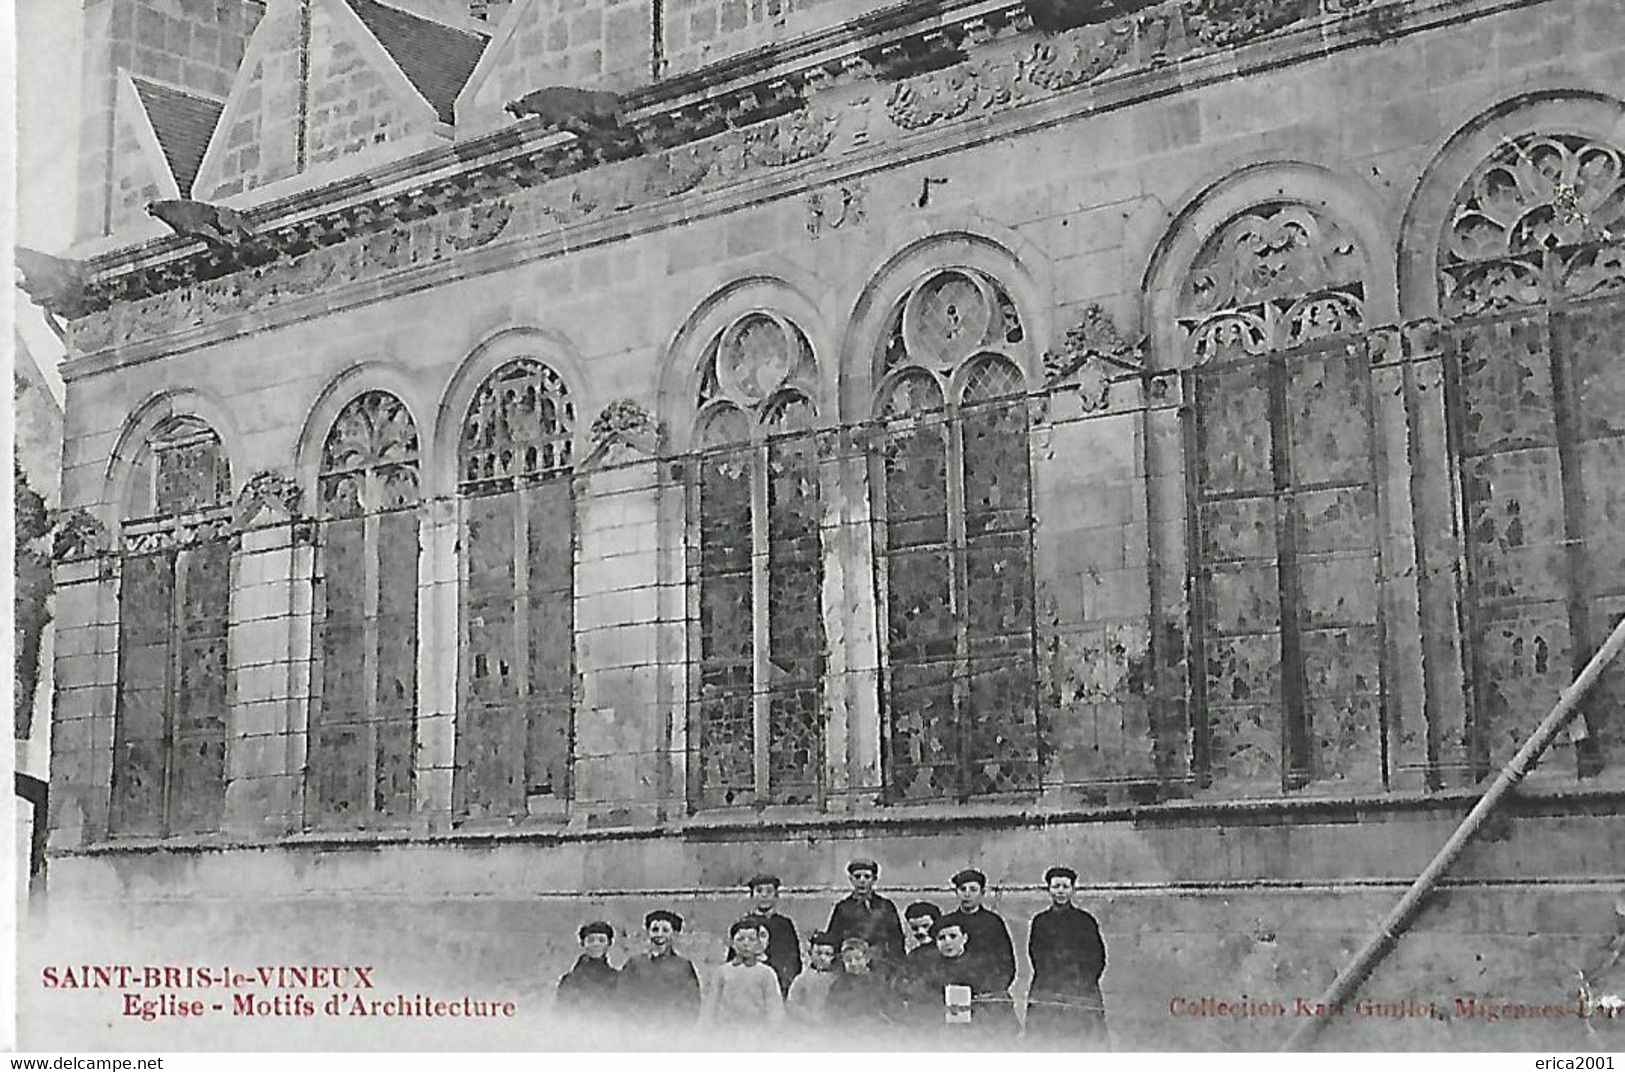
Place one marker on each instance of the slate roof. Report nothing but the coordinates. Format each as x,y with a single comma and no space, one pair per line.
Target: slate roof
436,58
184,123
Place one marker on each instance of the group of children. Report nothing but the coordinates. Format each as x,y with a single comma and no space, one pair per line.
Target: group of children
949,975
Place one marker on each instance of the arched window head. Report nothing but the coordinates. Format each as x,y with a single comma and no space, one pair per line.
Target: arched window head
1534,197
370,459
956,320
182,469
1276,276
758,377
520,426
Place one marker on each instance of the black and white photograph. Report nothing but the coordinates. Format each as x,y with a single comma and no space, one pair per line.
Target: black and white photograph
1085,527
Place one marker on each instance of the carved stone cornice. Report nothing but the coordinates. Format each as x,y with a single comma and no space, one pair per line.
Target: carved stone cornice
733,122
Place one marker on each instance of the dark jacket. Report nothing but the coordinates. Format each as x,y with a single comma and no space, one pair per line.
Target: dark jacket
876,921
989,948
590,985
929,973
1068,957
861,999
655,988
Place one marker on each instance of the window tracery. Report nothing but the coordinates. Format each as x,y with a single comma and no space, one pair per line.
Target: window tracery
362,732
955,564
1531,266
1290,678
517,664
758,570
174,596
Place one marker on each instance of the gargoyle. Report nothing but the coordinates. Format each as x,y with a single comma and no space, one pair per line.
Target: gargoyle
55,284
593,115
219,226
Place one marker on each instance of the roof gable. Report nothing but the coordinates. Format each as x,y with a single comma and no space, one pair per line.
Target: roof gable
183,122
436,58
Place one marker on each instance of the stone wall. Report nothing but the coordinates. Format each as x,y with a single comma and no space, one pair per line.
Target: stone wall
1090,204
1227,907
192,46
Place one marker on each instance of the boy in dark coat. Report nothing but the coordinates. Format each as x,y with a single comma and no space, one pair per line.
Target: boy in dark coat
944,1012
859,996
1064,1004
866,914
990,946
590,985
783,943
662,986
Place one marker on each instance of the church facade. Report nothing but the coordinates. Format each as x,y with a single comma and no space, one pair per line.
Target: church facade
1179,440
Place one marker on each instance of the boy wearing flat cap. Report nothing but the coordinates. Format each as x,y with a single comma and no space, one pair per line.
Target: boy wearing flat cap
988,945
1064,1005
590,985
662,985
783,943
865,914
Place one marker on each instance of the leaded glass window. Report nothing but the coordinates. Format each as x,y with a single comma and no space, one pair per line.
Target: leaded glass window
516,605
1289,679
757,569
1531,269
954,544
362,739
169,735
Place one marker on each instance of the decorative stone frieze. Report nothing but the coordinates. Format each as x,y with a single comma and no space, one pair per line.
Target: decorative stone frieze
511,190
78,535
1090,355
268,498
624,421
836,207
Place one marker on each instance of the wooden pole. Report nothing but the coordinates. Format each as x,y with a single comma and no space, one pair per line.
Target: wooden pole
1405,912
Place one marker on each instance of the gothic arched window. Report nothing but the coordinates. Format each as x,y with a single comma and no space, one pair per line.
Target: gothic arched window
361,739
758,569
169,737
1288,683
954,562
1531,269
517,616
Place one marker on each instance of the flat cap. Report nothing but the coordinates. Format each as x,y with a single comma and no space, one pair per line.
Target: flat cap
863,863
1060,872
970,874
763,879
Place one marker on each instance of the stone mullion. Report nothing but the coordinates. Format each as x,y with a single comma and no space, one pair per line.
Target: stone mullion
370,640
952,433
761,657
1444,612
439,662
520,635
853,604
1404,690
